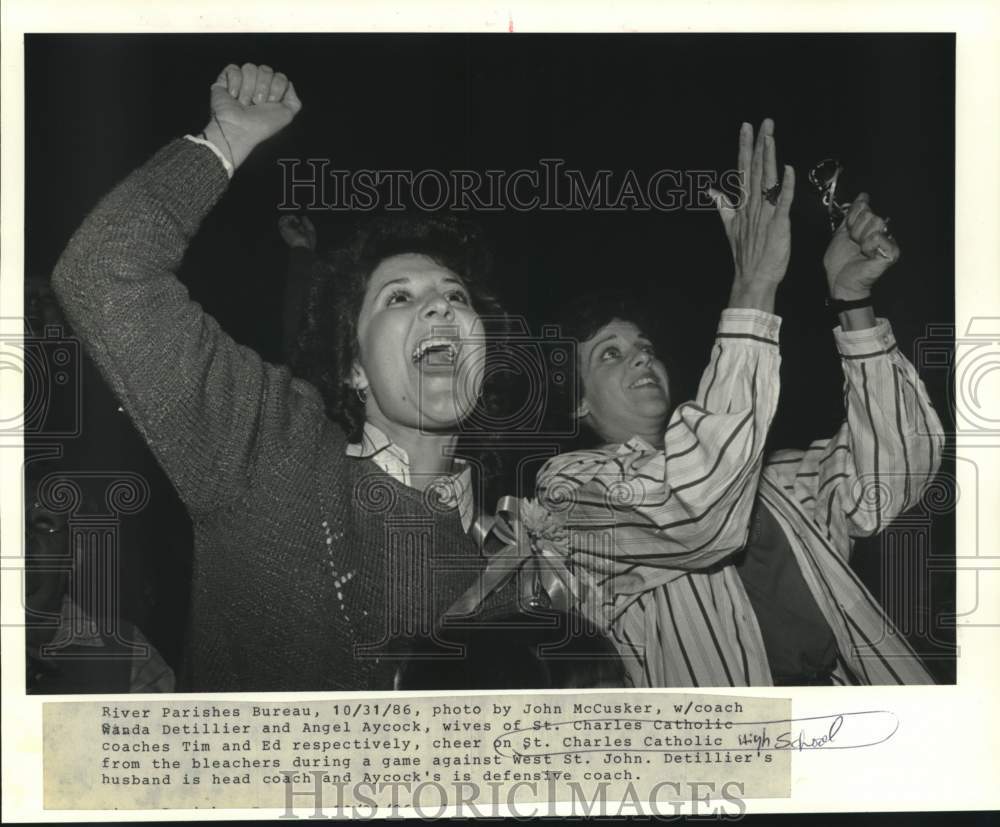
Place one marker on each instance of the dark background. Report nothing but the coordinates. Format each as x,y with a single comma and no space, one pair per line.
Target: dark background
98,105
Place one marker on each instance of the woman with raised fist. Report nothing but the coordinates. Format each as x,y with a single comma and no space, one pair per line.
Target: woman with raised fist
330,516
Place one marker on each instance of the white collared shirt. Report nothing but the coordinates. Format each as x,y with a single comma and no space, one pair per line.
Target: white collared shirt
453,490
657,529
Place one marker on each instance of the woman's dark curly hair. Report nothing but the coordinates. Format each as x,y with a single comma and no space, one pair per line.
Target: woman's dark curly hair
328,343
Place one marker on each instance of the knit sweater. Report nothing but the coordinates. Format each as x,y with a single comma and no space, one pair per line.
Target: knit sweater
306,561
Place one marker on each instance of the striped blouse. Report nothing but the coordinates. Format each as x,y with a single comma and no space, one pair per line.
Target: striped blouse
653,532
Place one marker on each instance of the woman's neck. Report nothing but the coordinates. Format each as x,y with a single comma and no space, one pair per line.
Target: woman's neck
653,435
655,438
430,454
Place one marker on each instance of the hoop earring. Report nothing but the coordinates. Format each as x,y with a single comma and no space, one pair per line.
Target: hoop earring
362,394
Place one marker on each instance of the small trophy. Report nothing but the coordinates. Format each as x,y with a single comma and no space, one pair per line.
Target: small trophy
824,177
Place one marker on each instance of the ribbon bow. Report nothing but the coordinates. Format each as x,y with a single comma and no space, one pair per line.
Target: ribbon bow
532,538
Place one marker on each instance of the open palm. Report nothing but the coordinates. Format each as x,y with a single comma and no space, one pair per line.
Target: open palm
758,226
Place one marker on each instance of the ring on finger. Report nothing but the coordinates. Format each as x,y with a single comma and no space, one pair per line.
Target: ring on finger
881,228
771,194
879,249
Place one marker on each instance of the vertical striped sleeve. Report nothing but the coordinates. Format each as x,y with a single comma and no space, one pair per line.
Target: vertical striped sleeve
887,450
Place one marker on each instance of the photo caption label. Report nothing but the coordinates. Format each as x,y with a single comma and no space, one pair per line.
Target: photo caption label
482,752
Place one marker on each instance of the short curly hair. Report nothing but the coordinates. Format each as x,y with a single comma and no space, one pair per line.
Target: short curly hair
580,320
328,343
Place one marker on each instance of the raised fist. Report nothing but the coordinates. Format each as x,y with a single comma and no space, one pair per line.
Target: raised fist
249,105
297,231
859,253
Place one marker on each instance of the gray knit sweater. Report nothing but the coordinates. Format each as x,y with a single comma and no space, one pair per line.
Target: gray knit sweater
306,561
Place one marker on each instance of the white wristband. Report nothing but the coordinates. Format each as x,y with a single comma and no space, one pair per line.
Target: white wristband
215,149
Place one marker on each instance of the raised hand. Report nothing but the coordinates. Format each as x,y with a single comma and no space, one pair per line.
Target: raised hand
859,253
758,227
297,231
249,105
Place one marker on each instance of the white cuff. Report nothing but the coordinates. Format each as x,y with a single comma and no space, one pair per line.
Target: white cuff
867,342
218,152
749,323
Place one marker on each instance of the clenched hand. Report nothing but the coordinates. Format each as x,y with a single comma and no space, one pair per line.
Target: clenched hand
249,105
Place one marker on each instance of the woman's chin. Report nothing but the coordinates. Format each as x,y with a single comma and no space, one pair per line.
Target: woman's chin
654,407
443,413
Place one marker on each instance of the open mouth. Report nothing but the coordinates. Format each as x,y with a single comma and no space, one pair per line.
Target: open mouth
437,351
648,380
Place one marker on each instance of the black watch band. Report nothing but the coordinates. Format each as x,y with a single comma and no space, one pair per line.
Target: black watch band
838,306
